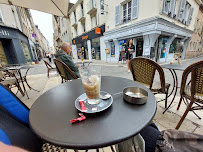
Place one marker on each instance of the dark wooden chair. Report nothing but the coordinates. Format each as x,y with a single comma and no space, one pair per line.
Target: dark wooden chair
62,68
49,68
192,92
143,71
9,80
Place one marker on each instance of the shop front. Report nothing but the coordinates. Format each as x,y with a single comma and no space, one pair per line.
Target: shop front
153,38
87,46
14,47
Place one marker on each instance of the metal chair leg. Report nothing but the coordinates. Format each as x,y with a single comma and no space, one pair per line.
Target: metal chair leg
112,149
181,98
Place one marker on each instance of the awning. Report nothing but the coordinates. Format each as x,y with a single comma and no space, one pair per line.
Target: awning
55,7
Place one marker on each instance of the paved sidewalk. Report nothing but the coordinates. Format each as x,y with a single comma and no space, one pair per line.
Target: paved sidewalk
37,78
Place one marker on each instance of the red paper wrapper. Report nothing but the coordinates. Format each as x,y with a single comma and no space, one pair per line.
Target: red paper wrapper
82,117
83,108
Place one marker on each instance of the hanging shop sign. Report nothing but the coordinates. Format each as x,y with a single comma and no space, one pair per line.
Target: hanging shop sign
97,31
107,50
34,35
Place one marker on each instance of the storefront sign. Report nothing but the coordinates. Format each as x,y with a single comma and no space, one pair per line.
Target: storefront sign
4,32
85,37
34,35
107,50
112,49
97,31
90,35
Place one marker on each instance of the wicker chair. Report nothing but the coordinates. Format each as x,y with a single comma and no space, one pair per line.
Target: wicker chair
49,68
9,80
62,68
143,71
193,91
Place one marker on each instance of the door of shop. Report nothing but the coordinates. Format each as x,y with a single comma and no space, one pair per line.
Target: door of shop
84,50
3,59
96,48
9,51
162,49
139,47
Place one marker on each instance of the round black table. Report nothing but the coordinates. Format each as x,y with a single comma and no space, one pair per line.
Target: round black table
172,68
51,113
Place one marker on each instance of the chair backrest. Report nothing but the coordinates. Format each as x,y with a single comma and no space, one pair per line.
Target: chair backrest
62,69
48,65
143,71
196,71
13,105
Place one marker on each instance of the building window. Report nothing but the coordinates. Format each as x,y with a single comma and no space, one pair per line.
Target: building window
83,25
75,16
94,21
76,31
1,17
127,12
82,9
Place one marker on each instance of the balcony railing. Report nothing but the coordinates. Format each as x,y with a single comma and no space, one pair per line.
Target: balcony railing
91,6
73,21
81,15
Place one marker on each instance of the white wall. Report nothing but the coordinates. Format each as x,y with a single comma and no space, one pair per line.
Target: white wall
102,48
10,18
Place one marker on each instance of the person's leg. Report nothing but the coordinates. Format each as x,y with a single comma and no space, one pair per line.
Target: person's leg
179,58
150,135
128,64
174,57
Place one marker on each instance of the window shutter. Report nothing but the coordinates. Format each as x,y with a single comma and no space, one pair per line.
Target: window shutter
117,15
94,3
173,6
181,10
185,13
190,16
166,7
134,9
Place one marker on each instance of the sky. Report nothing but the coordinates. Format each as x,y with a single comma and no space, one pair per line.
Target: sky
44,22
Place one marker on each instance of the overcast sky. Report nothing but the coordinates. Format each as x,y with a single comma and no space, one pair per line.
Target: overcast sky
44,22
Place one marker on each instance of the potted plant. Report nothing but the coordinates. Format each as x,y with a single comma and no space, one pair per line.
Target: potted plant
168,1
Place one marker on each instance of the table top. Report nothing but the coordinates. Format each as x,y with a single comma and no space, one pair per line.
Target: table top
17,68
51,113
84,62
180,67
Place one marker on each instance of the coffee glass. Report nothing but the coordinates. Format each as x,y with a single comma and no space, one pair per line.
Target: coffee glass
91,80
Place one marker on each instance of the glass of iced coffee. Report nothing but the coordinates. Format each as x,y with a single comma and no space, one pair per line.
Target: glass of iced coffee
91,79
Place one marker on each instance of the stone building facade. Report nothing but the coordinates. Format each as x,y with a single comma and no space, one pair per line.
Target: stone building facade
195,46
155,26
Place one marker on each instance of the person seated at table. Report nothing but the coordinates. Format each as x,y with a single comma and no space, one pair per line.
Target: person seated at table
170,140
64,56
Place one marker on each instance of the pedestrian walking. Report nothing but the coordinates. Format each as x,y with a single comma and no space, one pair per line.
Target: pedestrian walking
49,57
129,49
178,52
